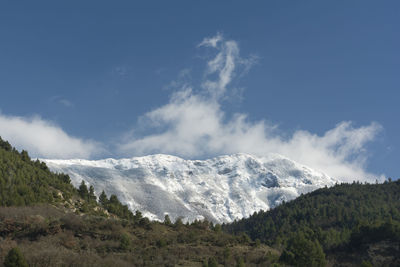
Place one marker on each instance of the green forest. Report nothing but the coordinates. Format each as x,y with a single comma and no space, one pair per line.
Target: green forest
340,219
45,221
26,182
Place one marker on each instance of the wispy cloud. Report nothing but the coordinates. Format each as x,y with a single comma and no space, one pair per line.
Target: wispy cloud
66,103
183,80
63,101
212,41
194,125
222,65
44,139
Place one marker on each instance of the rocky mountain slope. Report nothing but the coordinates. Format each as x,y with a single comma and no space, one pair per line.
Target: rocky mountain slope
221,189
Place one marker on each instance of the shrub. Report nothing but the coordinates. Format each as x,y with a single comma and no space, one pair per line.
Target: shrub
212,262
161,243
125,242
15,258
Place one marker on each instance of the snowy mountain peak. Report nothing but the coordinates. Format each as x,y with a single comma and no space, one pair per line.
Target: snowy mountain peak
220,189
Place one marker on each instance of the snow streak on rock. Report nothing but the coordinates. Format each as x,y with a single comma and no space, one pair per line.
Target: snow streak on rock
221,189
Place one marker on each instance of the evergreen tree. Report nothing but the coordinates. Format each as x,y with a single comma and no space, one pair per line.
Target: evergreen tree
5,145
114,200
25,156
138,215
114,206
167,220
103,199
178,223
303,252
83,191
217,228
92,196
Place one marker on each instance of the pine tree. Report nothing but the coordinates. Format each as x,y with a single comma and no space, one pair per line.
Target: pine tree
83,191
303,252
167,220
24,156
92,196
217,228
138,215
103,199
5,145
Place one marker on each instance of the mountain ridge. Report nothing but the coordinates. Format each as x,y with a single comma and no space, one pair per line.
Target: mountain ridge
220,189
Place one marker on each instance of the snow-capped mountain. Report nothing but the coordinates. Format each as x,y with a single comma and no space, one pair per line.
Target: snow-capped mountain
221,189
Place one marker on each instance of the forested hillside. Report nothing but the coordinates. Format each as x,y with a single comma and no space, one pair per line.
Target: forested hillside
341,219
45,221
27,182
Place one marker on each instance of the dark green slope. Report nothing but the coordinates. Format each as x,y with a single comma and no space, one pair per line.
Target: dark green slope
344,219
24,182
27,182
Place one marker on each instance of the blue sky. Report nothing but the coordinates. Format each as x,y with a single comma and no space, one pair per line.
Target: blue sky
100,76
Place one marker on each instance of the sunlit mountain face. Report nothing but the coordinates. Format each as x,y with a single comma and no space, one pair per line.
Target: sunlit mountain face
220,189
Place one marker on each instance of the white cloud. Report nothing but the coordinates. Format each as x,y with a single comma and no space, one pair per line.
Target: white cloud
223,65
44,139
211,41
194,125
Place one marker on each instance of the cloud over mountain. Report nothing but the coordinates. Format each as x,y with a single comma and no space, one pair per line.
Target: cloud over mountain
44,139
193,124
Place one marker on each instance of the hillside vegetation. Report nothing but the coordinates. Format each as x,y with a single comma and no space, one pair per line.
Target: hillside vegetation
45,221
347,221
27,182
47,236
